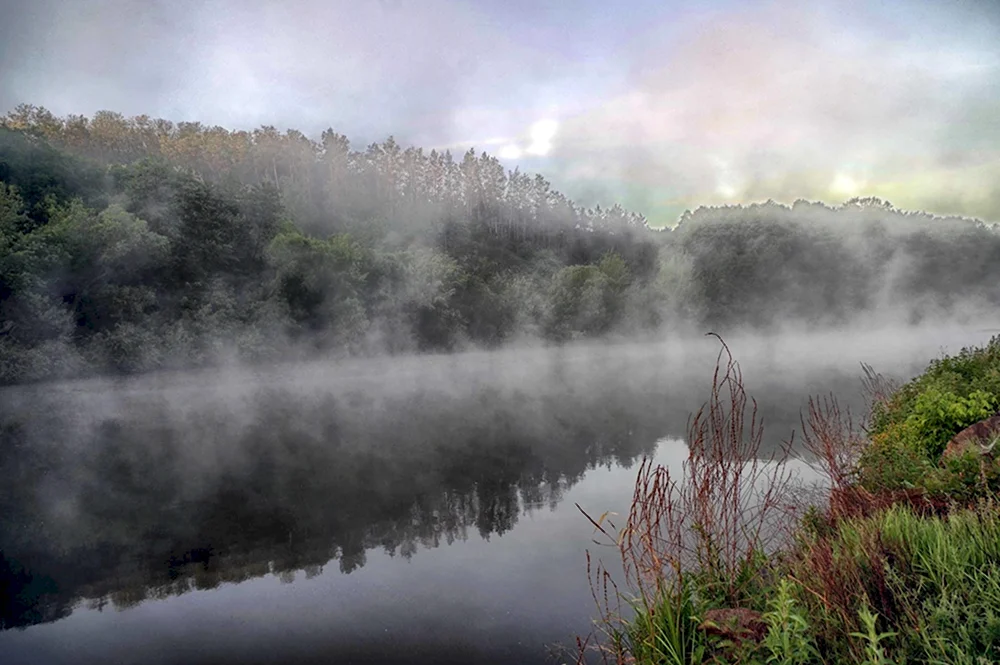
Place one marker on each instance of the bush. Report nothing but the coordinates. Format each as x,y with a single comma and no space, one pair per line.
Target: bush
890,463
952,394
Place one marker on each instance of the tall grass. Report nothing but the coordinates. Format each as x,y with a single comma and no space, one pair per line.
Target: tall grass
934,580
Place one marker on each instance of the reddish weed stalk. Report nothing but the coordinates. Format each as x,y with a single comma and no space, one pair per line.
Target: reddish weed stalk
730,506
828,432
738,497
877,390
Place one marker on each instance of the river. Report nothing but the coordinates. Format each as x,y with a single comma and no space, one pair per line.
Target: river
396,510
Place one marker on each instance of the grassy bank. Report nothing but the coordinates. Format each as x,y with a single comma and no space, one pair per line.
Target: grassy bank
899,562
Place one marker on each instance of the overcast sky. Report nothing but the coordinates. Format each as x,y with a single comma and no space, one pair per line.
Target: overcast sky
658,105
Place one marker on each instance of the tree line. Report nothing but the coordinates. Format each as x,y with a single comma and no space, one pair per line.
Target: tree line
132,244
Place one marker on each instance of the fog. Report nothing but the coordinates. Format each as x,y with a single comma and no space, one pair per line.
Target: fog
292,465
144,246
660,106
317,323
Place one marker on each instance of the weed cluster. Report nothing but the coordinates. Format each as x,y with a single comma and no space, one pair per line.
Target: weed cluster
901,564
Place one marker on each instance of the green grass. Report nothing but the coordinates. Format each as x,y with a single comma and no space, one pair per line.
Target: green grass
934,580
903,589
665,631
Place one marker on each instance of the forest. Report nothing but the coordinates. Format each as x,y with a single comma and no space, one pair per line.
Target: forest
135,244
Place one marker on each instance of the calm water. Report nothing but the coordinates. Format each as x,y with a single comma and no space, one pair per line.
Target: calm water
403,510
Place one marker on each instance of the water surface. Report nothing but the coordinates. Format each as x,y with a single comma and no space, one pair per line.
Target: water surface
396,510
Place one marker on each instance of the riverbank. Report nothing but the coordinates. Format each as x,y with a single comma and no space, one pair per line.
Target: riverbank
899,563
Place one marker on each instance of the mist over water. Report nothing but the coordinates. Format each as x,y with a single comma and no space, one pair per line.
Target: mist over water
388,510
316,326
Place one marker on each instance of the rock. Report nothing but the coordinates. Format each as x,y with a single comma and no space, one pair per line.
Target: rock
973,438
735,623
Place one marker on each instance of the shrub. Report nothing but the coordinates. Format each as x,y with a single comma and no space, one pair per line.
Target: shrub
953,393
889,463
938,415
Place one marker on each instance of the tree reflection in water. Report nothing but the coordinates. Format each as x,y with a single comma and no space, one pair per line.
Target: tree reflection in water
143,496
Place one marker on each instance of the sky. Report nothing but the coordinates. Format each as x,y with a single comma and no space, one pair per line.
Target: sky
661,106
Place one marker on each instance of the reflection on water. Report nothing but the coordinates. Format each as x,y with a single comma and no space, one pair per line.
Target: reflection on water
419,509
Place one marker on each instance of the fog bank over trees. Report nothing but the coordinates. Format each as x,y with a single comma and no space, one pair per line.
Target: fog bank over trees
137,244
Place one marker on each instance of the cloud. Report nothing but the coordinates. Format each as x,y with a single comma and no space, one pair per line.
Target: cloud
659,106
789,102
431,72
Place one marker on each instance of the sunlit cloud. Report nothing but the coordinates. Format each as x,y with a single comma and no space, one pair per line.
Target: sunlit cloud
727,191
537,142
542,133
845,186
510,151
789,96
728,184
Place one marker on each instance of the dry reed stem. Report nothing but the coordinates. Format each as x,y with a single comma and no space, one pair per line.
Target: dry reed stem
730,504
737,498
876,389
829,434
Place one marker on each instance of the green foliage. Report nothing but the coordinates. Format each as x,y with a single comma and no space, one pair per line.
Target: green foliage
137,243
588,299
744,588
46,177
735,261
814,524
13,220
953,393
322,283
937,415
578,302
788,641
909,432
872,639
667,630
933,579
183,212
949,580
891,464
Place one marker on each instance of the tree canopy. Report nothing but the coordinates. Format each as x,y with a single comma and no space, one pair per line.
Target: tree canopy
130,244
